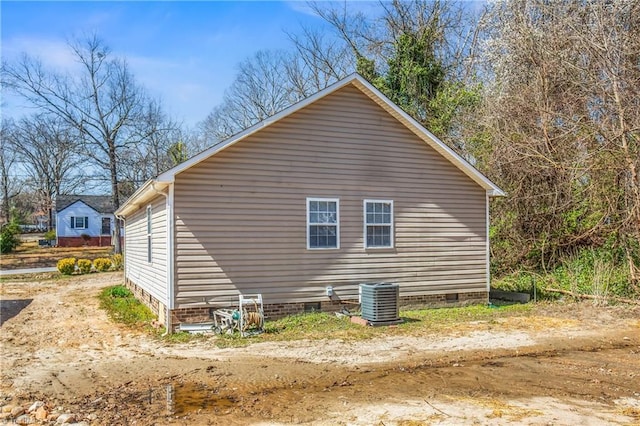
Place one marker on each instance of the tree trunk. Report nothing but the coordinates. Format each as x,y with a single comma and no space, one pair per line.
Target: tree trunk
115,198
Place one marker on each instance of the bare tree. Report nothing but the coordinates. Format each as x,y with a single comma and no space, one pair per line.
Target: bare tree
10,184
261,89
47,150
103,104
148,158
320,60
563,114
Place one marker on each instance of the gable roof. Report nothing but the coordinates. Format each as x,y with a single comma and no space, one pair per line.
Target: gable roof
154,186
100,203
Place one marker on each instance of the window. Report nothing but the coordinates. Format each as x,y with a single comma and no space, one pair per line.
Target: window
79,222
149,234
378,223
106,226
323,223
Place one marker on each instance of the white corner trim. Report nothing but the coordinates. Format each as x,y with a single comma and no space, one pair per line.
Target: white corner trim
170,250
488,243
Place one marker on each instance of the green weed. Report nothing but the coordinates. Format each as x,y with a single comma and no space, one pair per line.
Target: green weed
593,272
122,307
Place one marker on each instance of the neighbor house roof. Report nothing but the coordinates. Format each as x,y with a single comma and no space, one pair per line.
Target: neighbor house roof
154,186
100,203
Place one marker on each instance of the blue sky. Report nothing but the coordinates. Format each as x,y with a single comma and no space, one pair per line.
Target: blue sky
185,53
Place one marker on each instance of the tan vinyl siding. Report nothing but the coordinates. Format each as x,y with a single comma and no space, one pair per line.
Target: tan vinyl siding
241,214
152,277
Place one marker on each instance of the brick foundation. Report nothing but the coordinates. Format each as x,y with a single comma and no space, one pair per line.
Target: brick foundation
279,310
104,241
440,300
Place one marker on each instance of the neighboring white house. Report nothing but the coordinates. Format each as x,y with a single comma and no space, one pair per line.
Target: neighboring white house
84,220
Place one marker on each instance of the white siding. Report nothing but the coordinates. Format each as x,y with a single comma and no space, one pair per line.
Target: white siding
80,209
152,277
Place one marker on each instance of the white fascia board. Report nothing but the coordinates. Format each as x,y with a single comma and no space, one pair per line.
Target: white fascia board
424,134
141,196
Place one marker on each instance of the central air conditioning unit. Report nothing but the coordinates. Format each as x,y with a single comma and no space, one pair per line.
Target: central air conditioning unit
379,302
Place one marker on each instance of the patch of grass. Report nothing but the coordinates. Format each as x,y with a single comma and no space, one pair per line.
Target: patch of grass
312,324
441,318
322,325
181,336
123,307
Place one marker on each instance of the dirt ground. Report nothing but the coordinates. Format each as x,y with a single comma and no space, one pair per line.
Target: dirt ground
565,364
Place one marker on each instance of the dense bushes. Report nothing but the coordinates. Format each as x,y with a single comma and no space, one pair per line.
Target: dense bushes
102,264
67,266
9,237
592,272
84,266
117,261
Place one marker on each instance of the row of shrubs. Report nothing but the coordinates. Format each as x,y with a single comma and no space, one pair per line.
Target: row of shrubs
71,265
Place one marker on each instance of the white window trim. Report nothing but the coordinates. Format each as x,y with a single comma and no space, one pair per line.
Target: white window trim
149,229
335,200
74,222
364,225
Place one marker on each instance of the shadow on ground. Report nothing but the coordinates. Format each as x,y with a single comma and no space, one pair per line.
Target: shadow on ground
11,308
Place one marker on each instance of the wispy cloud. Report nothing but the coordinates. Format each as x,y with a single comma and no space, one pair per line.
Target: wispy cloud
301,7
181,85
54,53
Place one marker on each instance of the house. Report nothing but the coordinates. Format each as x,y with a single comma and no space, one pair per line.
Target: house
84,220
339,189
41,220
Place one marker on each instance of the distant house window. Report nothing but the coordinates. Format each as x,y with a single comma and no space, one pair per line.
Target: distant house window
106,226
323,219
149,251
79,222
378,223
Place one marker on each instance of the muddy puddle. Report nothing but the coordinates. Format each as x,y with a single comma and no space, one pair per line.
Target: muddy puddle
185,398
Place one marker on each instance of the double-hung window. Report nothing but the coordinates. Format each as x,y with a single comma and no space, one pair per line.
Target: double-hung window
79,222
149,228
378,223
323,221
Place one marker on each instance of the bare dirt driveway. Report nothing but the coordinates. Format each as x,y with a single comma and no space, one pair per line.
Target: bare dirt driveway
562,364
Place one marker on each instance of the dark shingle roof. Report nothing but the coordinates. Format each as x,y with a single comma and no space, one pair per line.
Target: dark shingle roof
100,203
